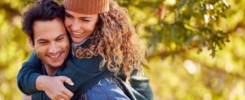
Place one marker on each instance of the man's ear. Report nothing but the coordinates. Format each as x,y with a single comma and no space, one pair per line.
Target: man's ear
30,42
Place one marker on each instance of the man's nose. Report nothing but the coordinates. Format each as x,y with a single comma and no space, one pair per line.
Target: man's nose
53,48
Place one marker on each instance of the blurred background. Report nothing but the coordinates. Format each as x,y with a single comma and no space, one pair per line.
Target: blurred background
195,48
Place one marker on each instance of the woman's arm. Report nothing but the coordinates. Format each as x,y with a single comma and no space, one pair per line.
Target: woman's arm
28,74
55,90
84,73
31,80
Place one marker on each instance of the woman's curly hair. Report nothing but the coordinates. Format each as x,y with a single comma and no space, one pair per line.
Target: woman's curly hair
115,40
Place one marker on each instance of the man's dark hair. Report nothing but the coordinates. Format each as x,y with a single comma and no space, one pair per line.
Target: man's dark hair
41,11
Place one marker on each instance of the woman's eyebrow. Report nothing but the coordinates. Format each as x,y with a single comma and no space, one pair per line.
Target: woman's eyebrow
67,14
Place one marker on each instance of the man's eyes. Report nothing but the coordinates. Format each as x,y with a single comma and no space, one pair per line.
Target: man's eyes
42,42
60,38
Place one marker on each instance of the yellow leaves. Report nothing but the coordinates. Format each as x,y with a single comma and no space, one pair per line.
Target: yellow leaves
13,49
237,92
170,2
4,88
191,67
14,4
137,13
17,21
3,24
11,58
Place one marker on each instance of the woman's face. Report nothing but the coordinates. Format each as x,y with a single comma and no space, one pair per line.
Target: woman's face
80,26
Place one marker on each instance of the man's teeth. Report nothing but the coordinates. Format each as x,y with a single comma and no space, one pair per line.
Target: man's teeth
55,56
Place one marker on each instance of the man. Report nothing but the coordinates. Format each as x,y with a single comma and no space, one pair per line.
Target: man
43,24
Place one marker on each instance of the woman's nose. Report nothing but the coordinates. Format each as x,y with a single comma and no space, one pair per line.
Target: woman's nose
75,26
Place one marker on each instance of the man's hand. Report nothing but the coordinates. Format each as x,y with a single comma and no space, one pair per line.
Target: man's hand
54,87
26,97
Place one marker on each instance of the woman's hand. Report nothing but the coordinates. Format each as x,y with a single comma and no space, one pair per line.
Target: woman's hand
54,87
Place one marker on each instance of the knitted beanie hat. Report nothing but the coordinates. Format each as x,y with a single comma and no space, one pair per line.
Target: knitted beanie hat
87,6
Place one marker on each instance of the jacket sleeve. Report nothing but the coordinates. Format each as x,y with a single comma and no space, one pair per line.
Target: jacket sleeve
84,74
141,85
28,74
39,96
139,88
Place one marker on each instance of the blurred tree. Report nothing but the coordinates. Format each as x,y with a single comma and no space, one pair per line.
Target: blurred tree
179,25
13,48
173,32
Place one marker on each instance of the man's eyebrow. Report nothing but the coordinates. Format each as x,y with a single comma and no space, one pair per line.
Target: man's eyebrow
41,39
61,35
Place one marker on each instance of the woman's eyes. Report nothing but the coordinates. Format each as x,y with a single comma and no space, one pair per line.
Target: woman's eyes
68,15
85,20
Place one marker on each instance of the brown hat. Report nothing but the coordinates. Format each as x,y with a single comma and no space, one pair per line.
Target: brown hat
87,6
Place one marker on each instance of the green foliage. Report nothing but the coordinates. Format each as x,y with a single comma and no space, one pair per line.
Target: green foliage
173,31
179,25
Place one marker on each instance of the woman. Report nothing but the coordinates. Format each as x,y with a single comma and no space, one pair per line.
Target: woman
101,32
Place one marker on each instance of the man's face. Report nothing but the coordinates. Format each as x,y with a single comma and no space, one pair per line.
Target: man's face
51,42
